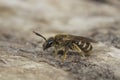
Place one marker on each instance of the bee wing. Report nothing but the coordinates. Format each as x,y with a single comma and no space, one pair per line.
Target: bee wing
77,38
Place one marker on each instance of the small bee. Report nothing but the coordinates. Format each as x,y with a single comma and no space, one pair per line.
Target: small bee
63,42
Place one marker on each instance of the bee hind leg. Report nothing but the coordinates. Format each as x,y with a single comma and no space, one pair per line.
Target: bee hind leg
76,48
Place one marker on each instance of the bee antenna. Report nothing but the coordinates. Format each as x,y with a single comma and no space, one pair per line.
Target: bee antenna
40,35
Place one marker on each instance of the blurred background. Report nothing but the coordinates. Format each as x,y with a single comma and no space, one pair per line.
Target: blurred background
49,17
21,57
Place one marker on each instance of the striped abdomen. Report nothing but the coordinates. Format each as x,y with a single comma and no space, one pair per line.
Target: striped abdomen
84,46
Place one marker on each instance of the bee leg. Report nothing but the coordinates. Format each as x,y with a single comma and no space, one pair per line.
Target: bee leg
56,52
65,54
76,48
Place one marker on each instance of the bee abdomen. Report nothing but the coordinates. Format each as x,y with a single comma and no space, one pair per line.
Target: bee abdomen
84,46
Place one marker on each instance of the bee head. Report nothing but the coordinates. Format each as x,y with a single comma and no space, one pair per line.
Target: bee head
48,43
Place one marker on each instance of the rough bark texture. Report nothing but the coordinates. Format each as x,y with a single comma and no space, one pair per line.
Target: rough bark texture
21,54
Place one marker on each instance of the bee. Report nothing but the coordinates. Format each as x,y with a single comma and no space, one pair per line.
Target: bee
66,42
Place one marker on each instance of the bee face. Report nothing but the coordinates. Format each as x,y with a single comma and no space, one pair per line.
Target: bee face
49,43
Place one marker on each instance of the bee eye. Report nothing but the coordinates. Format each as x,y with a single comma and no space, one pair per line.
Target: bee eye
50,42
